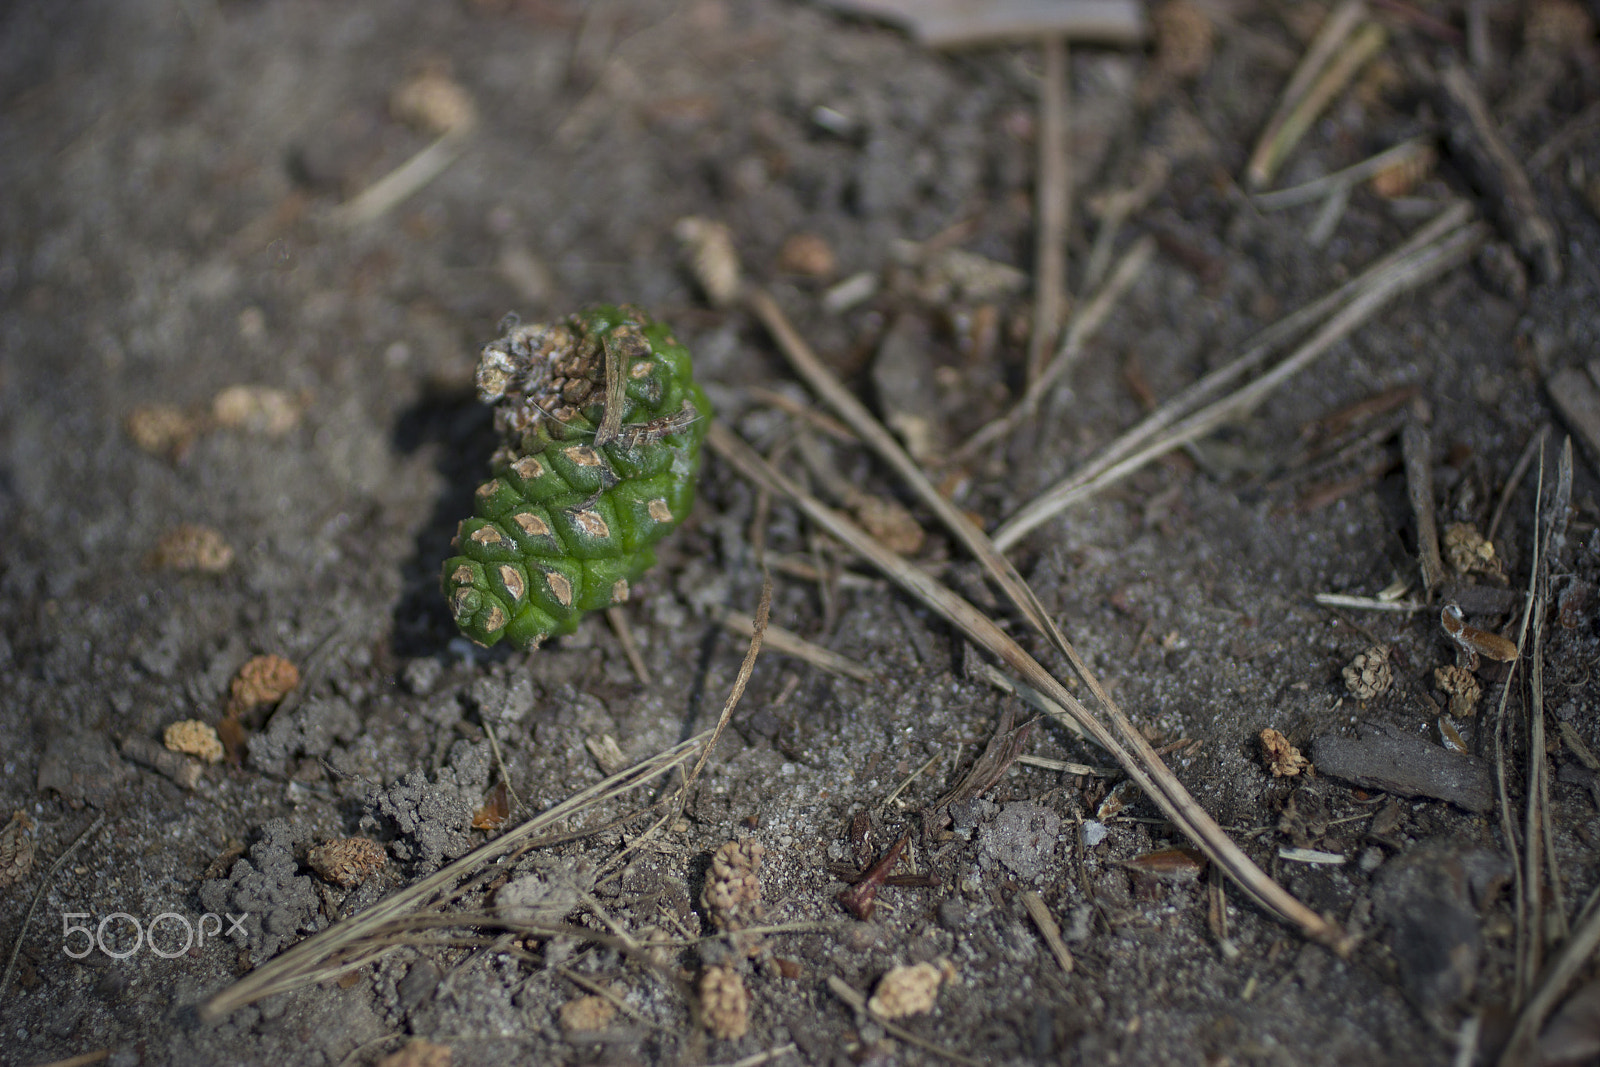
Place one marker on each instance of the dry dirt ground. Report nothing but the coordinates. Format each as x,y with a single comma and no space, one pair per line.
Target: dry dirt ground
170,174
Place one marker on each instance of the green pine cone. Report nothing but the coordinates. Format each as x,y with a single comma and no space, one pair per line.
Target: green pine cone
582,488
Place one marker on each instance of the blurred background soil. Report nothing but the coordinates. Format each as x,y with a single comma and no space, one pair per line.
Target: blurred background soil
237,420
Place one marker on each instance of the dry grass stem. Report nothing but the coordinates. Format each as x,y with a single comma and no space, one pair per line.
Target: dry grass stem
1571,961
500,766
1054,207
1522,886
1067,766
630,647
1367,603
821,420
853,997
1049,929
400,184
788,643
1513,198
356,941
758,1058
1335,29
1584,940
1135,755
83,1060
927,765
610,995
1534,447
1004,746
1416,448
1085,322
1345,179
836,396
1006,684
1339,50
758,631
1115,207
44,884
1169,428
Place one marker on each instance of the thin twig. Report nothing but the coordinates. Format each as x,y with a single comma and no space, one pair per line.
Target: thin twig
1479,143
821,420
1127,454
1416,449
1574,956
853,997
1534,446
1138,759
307,962
1555,527
1054,206
1335,28
1367,603
1386,271
16,946
1330,63
910,778
1114,208
1085,323
500,765
1525,881
1347,178
1049,929
610,996
630,646
399,184
835,395
1067,766
1001,681
756,1059
758,631
788,643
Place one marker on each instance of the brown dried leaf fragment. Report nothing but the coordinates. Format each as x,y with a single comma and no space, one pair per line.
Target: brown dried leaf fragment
1369,675
16,849
587,1013
262,680
1283,759
910,990
191,547
724,1003
1462,687
732,895
495,810
193,738
346,861
163,430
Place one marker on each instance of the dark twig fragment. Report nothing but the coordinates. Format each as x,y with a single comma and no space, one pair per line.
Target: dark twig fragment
1416,446
861,899
1493,167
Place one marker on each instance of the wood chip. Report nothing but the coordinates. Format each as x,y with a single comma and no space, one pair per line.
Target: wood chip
1390,760
969,23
